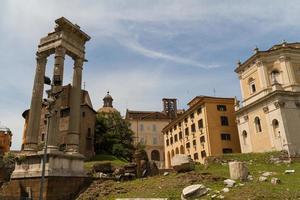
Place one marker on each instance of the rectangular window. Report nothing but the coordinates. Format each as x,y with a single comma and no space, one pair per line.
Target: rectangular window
154,128
192,115
185,120
202,139
224,121
252,87
89,133
154,140
141,127
199,110
221,108
188,145
175,138
83,114
187,131
200,123
180,135
203,154
227,150
171,140
225,136
179,124
65,112
196,156
175,127
194,142
167,142
193,128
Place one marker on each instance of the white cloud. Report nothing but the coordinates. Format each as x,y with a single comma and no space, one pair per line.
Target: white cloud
23,23
137,47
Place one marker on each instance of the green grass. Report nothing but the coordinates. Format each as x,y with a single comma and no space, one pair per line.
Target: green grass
115,161
172,185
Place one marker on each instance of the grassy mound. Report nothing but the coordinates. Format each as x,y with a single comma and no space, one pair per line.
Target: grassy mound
115,161
212,176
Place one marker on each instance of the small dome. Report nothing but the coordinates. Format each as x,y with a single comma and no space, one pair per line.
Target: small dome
107,96
107,105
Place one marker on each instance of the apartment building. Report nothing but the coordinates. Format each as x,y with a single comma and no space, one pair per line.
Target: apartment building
207,128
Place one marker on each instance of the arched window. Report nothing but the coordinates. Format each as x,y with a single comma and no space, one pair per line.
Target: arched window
252,87
172,153
275,125
244,135
181,149
155,155
176,150
275,76
169,160
257,124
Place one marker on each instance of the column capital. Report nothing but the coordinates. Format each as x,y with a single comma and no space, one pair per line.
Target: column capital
78,62
259,63
60,51
41,55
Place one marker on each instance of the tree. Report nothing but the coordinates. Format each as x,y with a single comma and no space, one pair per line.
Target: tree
113,135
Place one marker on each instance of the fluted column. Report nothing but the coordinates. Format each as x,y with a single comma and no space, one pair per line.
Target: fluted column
31,137
74,123
57,82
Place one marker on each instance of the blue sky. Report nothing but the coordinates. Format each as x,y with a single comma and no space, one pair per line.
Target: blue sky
141,51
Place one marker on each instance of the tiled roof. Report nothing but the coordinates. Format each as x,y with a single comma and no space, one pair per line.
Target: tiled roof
143,115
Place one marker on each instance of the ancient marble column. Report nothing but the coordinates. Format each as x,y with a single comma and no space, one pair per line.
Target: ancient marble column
56,89
74,123
31,137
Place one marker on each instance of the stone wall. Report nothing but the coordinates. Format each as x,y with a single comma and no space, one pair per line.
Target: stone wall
56,188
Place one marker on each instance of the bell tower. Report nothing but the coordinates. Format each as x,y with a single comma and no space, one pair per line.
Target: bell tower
170,107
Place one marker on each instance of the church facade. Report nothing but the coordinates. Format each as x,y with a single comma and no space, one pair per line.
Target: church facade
268,116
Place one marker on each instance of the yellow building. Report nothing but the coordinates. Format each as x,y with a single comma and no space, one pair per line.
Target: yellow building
207,128
147,127
5,139
268,116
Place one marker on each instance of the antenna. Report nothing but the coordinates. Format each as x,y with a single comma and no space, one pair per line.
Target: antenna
214,90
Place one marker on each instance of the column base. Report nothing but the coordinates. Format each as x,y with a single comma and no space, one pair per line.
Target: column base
57,164
55,188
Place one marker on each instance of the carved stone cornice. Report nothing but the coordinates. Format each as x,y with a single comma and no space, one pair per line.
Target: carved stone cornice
284,58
